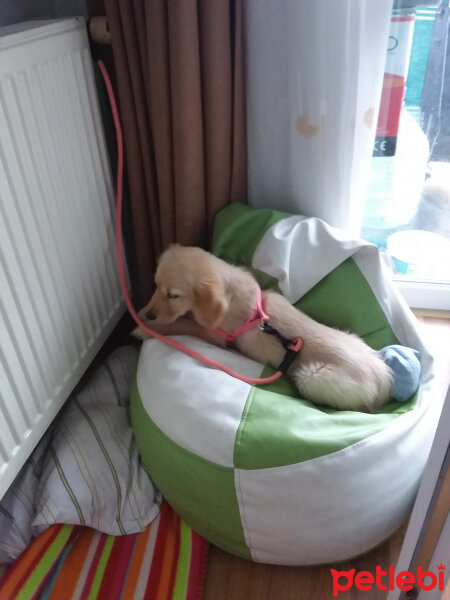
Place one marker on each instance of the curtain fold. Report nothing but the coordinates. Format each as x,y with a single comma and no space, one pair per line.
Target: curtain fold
180,77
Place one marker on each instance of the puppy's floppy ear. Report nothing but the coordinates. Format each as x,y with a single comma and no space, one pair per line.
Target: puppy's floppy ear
210,303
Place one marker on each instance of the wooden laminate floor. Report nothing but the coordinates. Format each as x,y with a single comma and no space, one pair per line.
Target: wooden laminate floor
232,578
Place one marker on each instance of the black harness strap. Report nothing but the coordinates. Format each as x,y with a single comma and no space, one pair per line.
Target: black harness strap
292,348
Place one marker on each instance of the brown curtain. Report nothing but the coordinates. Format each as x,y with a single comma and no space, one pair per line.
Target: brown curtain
180,78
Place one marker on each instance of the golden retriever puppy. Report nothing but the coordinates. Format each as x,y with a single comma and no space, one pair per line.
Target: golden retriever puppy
197,292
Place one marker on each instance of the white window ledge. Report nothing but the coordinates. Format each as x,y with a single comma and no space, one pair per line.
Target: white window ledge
424,294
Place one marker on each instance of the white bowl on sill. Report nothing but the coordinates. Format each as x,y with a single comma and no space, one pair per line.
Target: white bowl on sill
420,253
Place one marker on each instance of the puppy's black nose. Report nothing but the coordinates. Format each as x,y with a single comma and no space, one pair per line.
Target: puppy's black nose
150,315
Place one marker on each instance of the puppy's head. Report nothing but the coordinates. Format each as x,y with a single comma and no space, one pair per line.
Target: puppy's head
188,280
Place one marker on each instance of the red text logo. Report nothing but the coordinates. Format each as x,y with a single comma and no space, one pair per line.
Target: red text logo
387,580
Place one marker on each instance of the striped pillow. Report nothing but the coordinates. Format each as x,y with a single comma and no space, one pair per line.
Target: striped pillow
88,471
17,506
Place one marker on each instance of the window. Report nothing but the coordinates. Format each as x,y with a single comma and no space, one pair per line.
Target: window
407,209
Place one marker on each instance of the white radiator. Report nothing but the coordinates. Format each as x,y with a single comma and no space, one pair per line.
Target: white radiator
59,292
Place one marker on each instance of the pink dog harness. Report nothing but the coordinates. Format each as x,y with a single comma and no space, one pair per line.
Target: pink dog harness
259,318
256,319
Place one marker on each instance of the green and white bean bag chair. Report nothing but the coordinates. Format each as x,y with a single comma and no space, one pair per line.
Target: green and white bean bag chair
259,471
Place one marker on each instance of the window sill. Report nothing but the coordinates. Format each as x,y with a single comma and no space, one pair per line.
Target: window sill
425,294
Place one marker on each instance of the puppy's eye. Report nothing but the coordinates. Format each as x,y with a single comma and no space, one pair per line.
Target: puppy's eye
172,296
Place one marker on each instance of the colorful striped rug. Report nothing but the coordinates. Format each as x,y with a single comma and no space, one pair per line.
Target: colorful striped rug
70,562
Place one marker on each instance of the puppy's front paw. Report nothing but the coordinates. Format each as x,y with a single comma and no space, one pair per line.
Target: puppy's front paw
139,333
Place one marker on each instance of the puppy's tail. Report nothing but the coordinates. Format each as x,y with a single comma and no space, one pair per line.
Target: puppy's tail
329,384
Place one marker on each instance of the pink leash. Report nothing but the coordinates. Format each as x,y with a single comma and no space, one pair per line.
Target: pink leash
203,359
